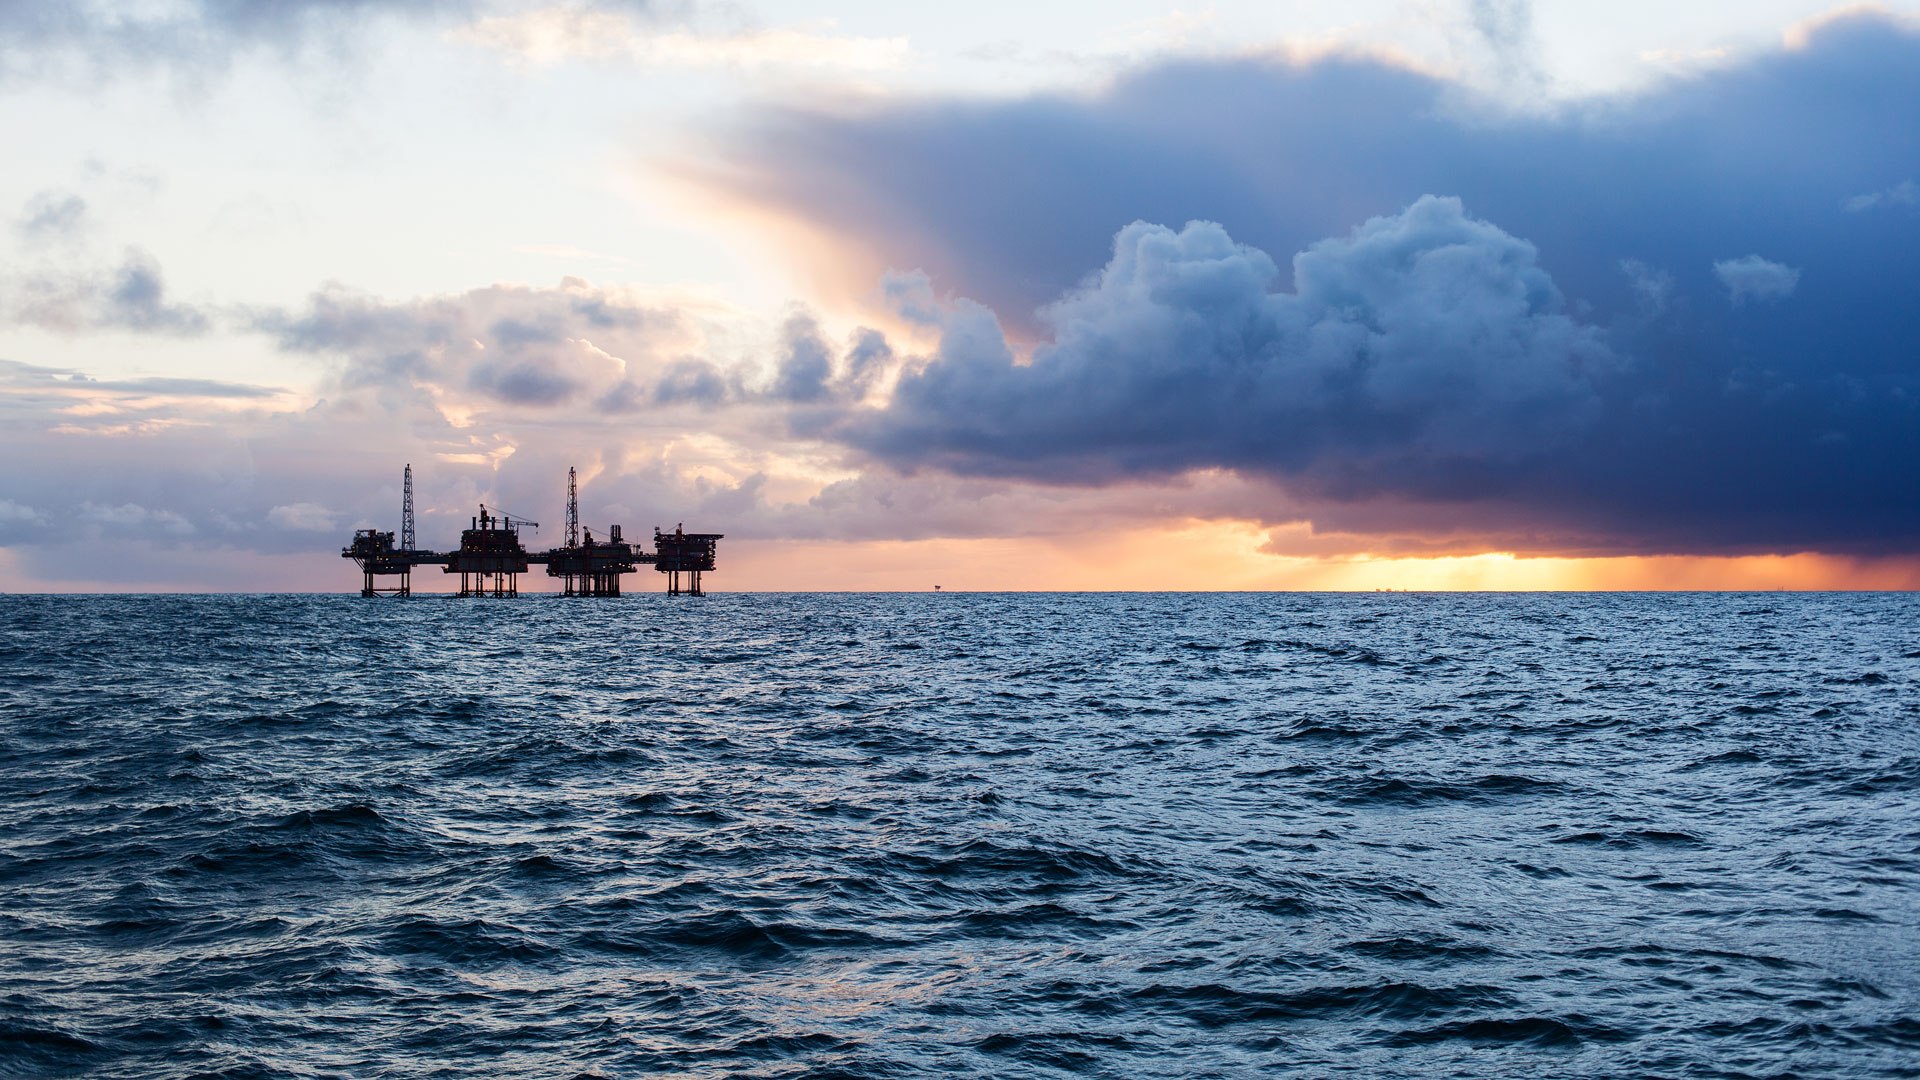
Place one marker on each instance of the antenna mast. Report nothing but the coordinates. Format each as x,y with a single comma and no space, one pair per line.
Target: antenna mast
573,510
406,511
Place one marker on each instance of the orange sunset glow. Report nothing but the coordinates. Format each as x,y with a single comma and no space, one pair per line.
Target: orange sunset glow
1224,557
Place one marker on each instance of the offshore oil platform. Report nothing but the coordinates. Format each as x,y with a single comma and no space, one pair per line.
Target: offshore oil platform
491,558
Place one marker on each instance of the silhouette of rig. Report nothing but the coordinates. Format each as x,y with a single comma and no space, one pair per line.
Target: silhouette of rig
491,558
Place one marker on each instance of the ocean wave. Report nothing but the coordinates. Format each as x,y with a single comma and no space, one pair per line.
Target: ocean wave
1115,836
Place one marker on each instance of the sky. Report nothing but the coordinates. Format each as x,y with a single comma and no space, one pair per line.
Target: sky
1420,294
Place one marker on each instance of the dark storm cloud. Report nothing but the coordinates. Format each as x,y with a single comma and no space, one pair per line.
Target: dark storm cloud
1426,341
1755,157
1789,419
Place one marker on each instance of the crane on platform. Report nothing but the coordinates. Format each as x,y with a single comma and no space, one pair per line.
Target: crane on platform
506,518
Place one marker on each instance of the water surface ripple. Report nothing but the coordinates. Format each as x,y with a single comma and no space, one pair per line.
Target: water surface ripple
1119,835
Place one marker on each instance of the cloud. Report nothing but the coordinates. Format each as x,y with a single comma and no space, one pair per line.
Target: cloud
131,297
552,35
13,513
304,517
105,40
809,371
869,357
132,518
1652,286
69,382
504,344
1286,152
178,387
52,215
670,404
1421,341
690,381
1719,428
1425,375
909,294
22,524
1495,332
1904,193
1751,277
806,362
1506,28
104,468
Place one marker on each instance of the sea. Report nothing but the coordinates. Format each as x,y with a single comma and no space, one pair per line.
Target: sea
968,835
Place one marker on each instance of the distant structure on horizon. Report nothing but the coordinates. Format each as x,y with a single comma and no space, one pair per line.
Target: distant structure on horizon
491,558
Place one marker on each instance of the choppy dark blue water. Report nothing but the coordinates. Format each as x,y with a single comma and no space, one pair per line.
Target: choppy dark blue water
971,835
